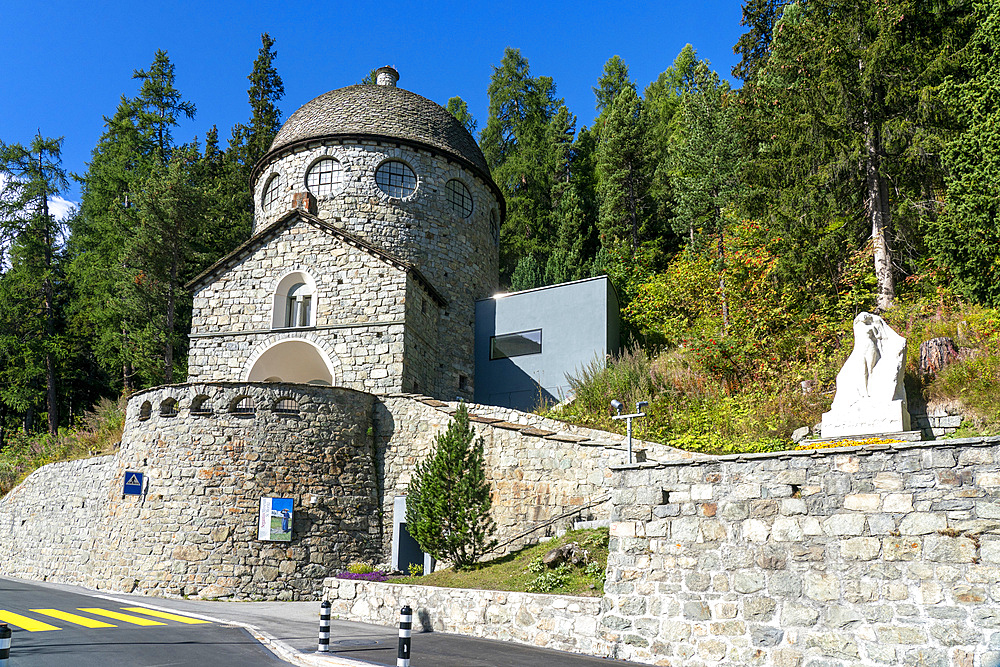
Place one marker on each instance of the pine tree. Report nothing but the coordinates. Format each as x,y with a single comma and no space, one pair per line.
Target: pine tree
248,143
448,499
29,237
707,164
622,185
848,144
966,239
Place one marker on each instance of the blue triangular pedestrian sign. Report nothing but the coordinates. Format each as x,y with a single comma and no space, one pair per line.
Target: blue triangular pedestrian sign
133,483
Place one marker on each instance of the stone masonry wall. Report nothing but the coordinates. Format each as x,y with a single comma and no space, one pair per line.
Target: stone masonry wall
360,304
457,254
537,474
194,532
879,555
560,622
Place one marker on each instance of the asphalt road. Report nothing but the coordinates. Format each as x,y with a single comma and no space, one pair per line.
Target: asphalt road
291,628
59,636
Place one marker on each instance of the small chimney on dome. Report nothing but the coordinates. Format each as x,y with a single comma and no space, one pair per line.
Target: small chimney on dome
386,76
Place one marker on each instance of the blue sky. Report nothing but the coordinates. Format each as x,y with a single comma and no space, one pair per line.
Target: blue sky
64,65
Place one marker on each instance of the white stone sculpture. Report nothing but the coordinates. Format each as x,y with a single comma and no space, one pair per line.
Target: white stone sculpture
870,397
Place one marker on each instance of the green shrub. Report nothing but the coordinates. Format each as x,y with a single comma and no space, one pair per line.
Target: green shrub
359,567
448,499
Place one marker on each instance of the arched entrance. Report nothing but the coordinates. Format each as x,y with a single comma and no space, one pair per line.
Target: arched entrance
292,361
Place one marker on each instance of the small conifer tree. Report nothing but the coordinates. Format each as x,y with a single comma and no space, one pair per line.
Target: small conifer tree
448,499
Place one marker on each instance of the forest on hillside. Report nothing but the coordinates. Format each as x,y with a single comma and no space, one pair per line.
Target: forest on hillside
855,168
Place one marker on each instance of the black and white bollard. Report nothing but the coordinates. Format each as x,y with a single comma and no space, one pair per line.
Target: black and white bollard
405,623
5,634
324,627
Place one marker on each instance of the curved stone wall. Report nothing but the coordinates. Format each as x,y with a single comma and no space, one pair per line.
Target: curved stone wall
459,255
194,531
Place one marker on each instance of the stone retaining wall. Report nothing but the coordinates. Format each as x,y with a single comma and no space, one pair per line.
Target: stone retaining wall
540,469
194,532
562,622
878,555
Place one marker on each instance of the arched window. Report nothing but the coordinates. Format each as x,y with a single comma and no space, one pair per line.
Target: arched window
396,179
294,302
286,406
298,310
458,197
168,407
200,405
272,191
145,410
325,177
243,405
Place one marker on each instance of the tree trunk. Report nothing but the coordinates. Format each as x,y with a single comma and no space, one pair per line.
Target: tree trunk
935,354
877,209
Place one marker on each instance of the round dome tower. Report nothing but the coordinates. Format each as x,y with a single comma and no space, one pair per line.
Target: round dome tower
399,171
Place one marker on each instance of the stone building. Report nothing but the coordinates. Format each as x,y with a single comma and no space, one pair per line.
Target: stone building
369,206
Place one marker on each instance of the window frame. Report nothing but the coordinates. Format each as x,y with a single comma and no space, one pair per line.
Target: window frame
337,177
272,192
495,356
465,205
391,190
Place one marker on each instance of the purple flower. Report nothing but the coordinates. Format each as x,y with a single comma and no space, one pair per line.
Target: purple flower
367,576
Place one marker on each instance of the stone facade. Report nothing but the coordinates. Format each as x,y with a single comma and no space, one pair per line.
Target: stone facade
561,622
342,457
880,555
457,253
194,531
374,321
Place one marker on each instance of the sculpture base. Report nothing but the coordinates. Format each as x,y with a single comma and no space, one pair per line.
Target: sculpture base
866,419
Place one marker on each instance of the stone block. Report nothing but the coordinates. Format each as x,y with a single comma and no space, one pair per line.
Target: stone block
834,645
898,502
942,549
860,548
901,634
989,551
844,524
758,609
755,530
862,502
922,523
748,582
821,587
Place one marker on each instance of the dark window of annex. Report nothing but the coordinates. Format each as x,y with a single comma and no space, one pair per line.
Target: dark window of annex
516,344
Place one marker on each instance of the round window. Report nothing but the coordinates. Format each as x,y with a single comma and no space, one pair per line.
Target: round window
325,177
271,192
395,179
459,197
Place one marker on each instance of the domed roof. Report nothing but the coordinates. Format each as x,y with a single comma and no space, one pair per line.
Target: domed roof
380,111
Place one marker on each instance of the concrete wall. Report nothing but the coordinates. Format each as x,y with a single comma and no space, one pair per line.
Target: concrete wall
561,622
879,555
579,324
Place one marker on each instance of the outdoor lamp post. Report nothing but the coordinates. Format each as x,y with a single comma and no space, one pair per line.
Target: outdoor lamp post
617,405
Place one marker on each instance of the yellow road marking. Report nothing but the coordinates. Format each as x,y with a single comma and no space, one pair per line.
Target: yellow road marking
121,617
74,618
163,614
25,623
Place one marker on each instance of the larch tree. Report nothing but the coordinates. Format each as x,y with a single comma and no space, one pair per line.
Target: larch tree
29,244
525,142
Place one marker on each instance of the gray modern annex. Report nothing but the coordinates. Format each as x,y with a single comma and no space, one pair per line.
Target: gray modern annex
528,342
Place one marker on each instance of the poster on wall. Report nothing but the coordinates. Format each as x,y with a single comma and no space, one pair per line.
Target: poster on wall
275,521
